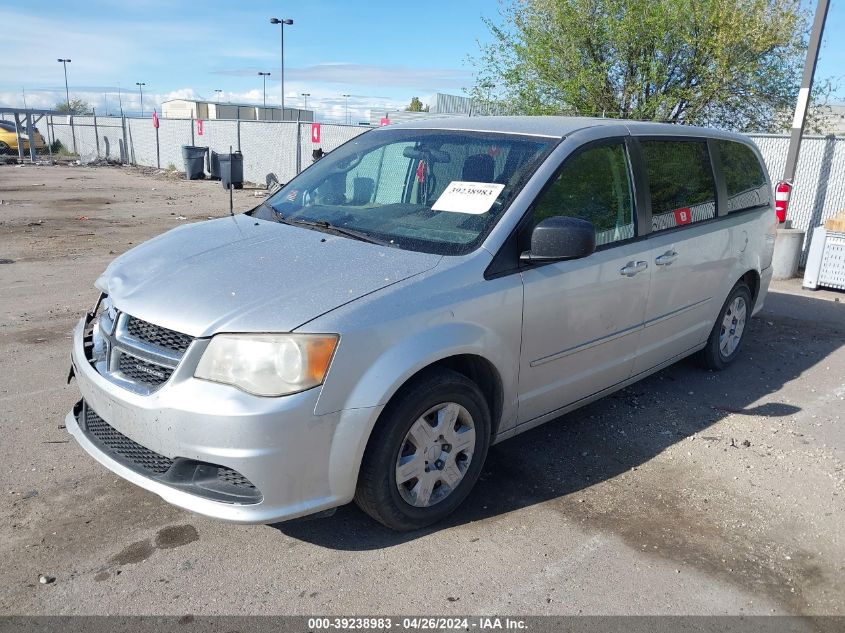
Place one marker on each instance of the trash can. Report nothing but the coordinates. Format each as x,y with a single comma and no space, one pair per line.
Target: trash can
232,170
213,165
194,158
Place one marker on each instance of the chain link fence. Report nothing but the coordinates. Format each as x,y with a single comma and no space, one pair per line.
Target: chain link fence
281,149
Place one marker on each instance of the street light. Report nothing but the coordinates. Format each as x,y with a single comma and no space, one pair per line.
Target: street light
217,92
140,85
346,100
281,24
306,95
264,78
64,63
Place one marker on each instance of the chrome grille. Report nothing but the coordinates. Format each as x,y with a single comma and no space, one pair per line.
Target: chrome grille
138,370
133,353
157,335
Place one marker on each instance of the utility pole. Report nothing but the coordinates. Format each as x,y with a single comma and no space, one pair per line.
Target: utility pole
65,62
141,85
120,99
282,23
264,77
346,103
785,186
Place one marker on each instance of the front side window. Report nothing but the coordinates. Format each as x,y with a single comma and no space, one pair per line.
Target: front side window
593,185
745,179
436,191
681,183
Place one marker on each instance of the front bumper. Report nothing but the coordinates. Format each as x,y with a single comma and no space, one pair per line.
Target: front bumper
300,462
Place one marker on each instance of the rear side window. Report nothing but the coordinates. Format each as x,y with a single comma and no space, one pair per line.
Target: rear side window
594,185
745,179
681,183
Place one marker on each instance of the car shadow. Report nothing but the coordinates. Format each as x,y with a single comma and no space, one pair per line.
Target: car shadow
624,430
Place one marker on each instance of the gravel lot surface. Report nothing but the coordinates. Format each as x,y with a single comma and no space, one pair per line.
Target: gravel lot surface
688,493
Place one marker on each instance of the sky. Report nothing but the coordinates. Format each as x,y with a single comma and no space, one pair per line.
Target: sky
381,53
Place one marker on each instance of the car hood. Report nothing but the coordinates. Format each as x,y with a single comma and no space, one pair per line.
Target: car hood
241,274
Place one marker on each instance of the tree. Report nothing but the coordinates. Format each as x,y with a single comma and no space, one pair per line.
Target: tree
731,63
77,106
416,106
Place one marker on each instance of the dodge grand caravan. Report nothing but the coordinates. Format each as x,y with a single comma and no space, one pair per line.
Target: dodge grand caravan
423,291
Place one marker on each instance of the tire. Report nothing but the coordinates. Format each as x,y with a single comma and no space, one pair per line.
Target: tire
398,498
728,333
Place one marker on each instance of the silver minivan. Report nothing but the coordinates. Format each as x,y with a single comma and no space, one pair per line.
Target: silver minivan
423,291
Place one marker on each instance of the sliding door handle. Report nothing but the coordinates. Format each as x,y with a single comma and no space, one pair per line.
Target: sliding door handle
633,268
666,258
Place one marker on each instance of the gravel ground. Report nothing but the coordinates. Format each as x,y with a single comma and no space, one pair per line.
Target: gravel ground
688,493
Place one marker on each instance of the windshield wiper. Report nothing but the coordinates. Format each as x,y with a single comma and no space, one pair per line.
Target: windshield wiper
361,236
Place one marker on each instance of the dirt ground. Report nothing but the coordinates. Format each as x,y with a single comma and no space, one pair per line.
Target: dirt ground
688,493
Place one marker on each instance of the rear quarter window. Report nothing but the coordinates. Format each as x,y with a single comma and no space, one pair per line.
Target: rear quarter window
745,178
680,181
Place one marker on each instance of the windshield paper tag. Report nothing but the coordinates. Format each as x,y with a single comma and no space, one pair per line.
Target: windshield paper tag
468,197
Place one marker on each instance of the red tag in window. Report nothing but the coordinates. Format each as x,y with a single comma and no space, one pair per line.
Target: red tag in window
683,216
493,151
421,172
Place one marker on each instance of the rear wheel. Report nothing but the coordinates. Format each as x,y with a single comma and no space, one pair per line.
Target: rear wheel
728,333
426,452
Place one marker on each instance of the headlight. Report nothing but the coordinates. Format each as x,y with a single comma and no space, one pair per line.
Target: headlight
268,364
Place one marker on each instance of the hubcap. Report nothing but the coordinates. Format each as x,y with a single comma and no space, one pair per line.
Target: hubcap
733,325
435,454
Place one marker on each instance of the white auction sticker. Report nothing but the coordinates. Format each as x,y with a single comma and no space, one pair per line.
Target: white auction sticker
468,197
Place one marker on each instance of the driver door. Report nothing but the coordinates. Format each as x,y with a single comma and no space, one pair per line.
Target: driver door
582,319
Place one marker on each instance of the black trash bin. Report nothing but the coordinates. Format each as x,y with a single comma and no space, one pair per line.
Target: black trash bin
213,165
194,158
232,170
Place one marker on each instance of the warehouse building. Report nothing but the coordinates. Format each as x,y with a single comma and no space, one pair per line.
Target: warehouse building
197,109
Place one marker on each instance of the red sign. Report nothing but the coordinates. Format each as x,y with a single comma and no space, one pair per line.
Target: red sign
155,119
199,127
683,216
384,121
315,132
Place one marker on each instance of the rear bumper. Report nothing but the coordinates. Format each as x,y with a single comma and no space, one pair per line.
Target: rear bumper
763,292
300,463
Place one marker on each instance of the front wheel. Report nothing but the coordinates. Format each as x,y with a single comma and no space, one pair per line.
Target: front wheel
426,452
728,333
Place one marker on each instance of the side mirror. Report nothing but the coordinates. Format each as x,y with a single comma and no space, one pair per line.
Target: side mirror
559,238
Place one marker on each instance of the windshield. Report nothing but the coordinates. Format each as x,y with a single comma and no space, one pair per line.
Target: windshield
436,191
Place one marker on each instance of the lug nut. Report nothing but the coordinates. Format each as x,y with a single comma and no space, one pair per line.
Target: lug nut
439,464
446,447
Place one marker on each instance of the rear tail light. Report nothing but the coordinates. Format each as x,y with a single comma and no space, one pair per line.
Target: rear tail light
782,192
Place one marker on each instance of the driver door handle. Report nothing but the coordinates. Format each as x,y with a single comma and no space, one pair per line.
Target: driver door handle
633,268
666,258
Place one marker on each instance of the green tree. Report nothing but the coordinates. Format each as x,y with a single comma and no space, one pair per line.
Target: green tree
416,106
732,63
77,106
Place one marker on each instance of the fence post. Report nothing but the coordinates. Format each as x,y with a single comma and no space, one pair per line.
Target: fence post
18,135
158,151
239,131
298,147
125,157
72,133
96,133
50,137
192,128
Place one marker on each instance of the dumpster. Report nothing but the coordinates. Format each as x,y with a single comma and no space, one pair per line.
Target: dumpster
194,158
213,165
232,170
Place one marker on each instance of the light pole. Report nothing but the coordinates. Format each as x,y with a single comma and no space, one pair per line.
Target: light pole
65,62
306,95
281,24
140,85
264,77
217,92
346,103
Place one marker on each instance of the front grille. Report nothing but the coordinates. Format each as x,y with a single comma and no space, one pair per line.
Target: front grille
159,336
137,370
211,481
117,444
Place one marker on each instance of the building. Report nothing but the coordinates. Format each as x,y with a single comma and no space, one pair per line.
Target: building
445,105
197,109
831,119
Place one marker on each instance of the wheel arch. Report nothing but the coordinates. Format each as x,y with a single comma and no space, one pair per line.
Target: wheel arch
752,280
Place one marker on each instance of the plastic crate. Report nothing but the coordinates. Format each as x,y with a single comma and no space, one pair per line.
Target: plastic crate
826,260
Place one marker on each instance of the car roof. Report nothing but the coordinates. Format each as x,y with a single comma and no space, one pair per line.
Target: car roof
558,126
